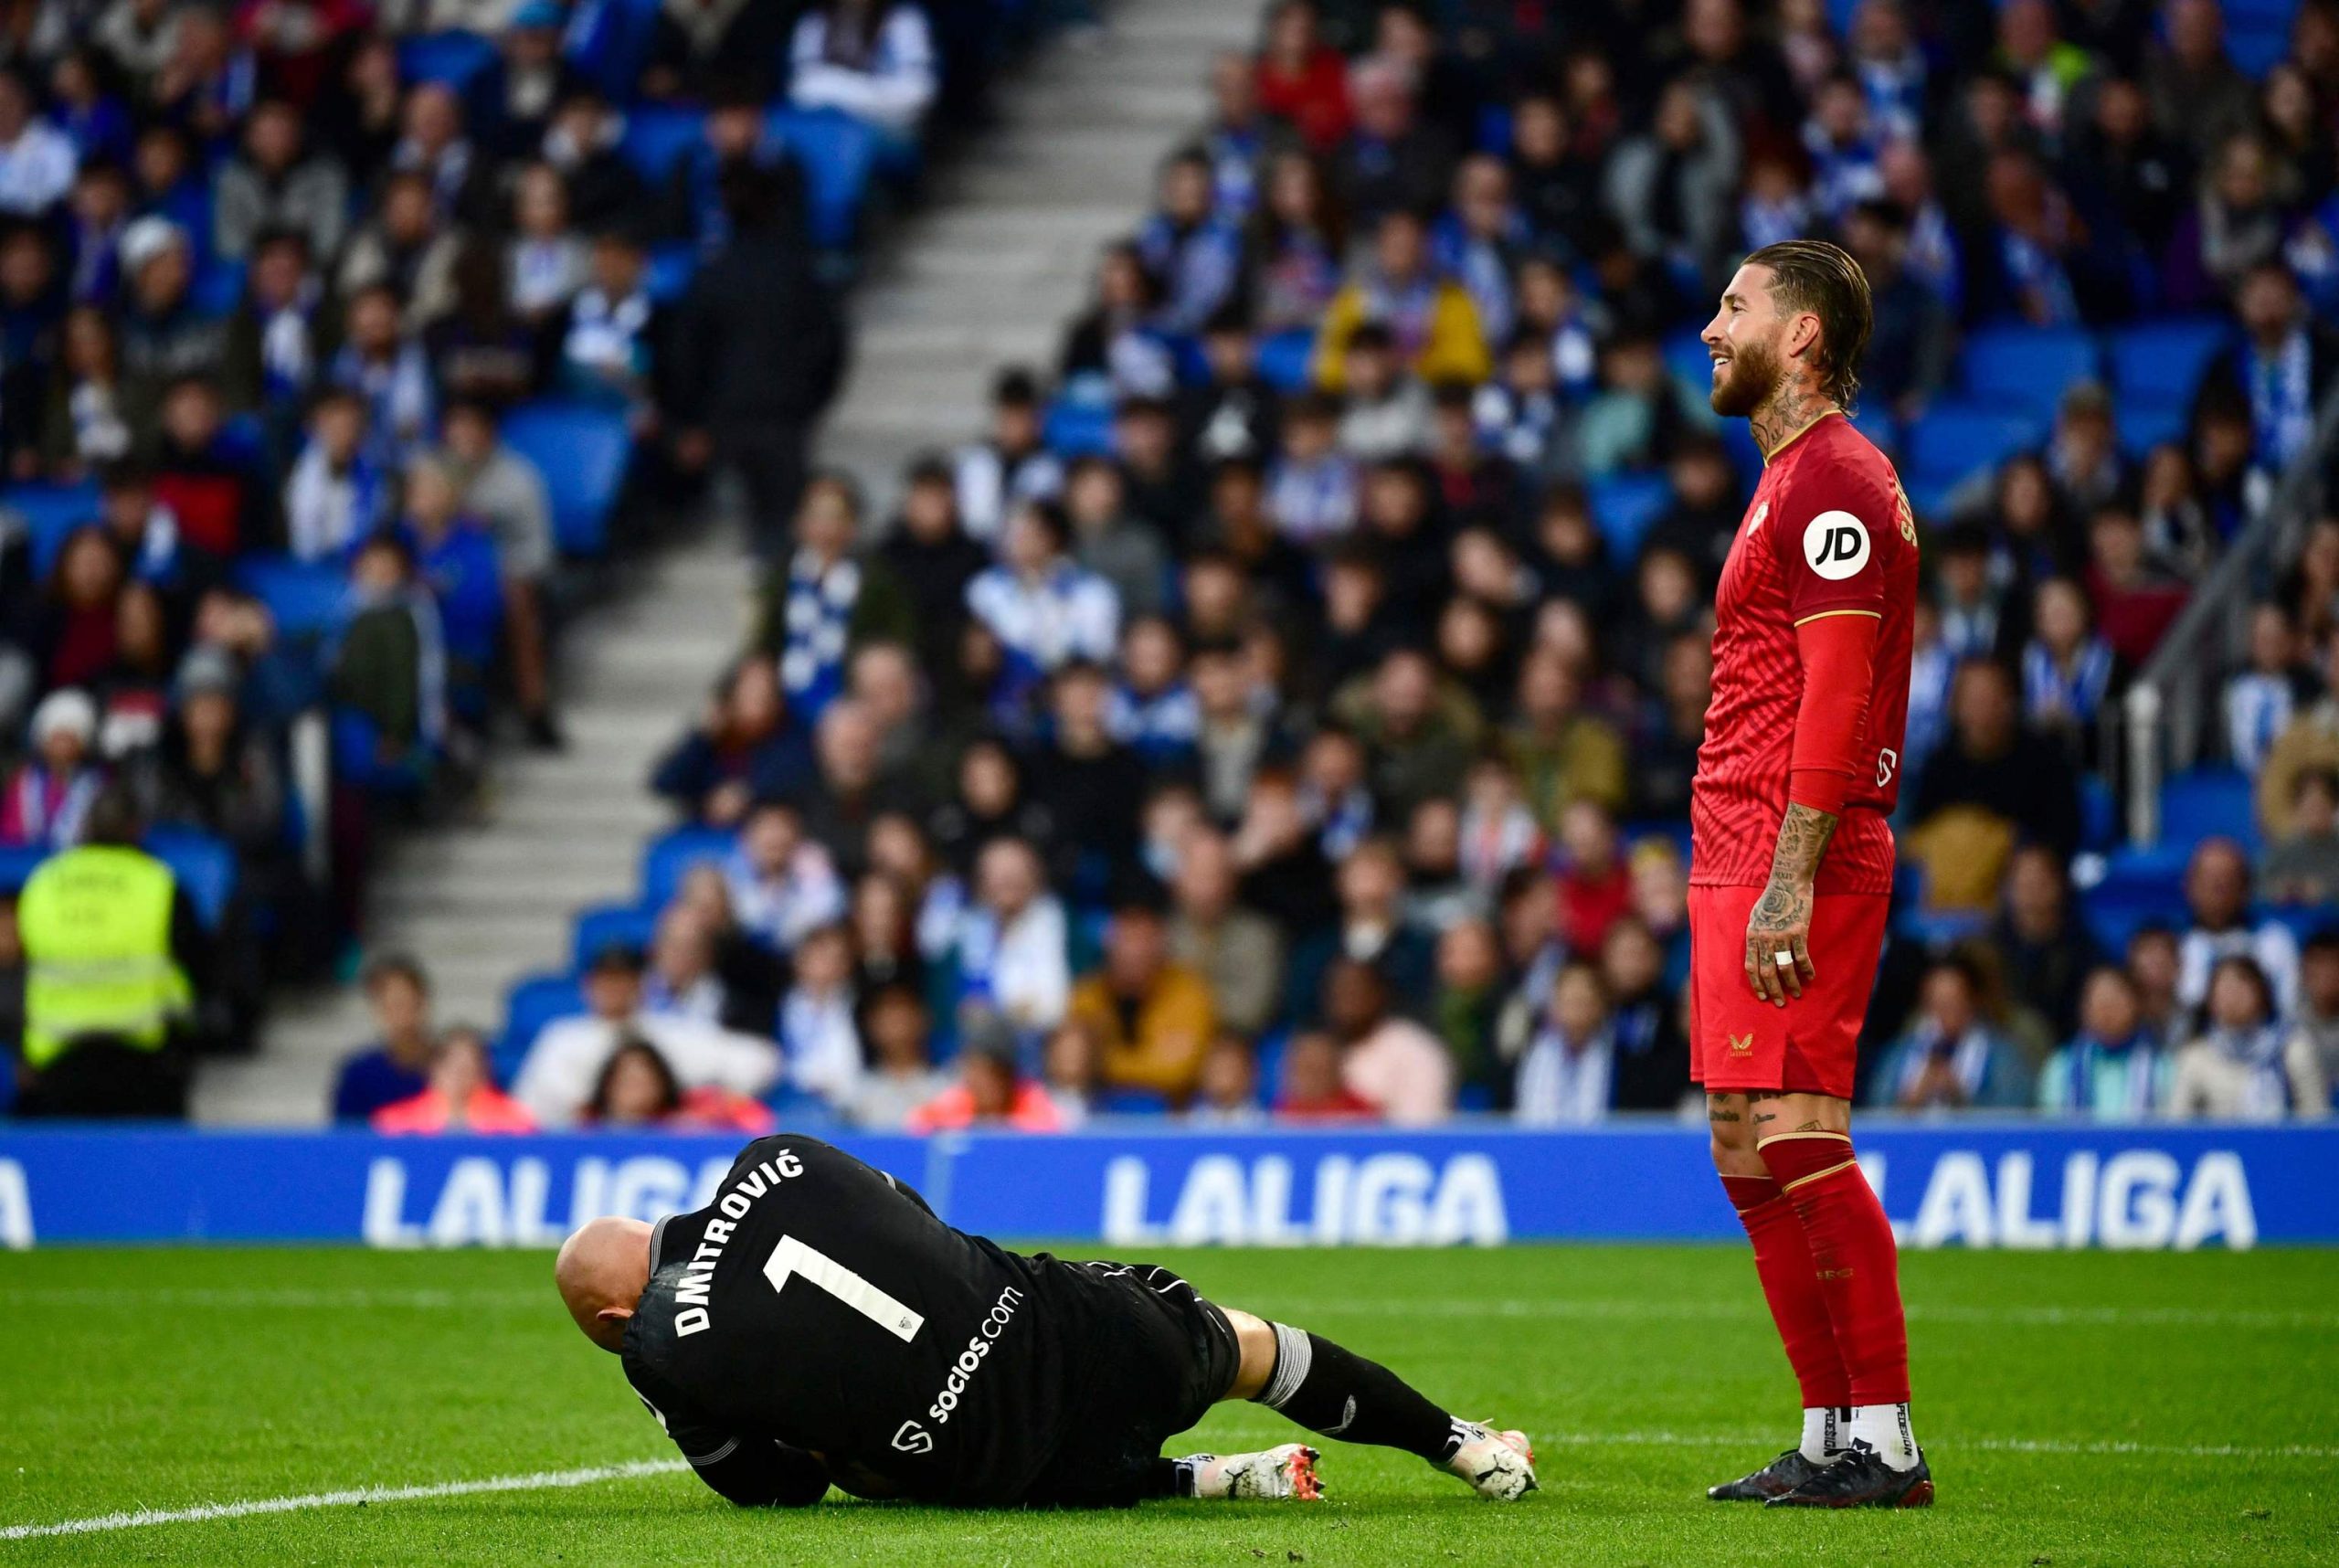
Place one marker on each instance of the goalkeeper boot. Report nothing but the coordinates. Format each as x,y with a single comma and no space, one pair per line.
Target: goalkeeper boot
1286,1472
1499,1464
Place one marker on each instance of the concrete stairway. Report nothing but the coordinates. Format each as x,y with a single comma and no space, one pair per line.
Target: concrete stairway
985,273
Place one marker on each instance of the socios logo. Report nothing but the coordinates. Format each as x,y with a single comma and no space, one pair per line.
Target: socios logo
1835,544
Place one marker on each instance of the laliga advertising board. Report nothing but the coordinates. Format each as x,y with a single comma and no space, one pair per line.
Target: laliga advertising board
2011,1186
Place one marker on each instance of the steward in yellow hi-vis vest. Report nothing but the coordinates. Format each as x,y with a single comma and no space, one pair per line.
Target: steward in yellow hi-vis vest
107,935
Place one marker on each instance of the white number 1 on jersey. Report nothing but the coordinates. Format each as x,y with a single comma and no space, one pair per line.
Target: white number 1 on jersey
814,1267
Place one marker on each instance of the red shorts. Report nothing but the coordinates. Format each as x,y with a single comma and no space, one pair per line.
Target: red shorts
1739,1041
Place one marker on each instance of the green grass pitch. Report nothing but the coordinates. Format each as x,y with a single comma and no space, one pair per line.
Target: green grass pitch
2086,1409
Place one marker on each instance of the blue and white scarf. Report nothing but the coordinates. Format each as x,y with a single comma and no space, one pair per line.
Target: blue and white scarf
2282,403
819,615
2050,690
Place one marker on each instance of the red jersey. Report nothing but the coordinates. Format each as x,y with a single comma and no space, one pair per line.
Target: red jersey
1829,532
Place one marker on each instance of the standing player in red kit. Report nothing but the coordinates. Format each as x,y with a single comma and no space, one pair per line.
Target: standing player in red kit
1793,869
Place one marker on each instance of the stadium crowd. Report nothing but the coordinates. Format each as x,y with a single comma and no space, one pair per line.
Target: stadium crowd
1287,707
312,314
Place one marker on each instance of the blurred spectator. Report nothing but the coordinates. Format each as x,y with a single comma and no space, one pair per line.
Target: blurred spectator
2217,894
2136,598
1465,1007
902,1076
1010,943
989,1093
818,1033
1393,1063
1564,754
2046,949
276,184
384,366
2242,1066
397,1066
2153,966
556,1080
636,1089
2317,1017
1991,779
1650,1066
1430,322
210,769
1238,952
1952,1057
1908,358
2115,1068
827,598
1192,254
1568,1075
458,1096
1670,186
2261,697
338,492
1593,886
2281,367
2310,741
2302,866
929,553
755,353
1071,1072
2065,667
743,749
1313,1086
36,160
1011,466
117,975
873,59
388,673
1150,1016
783,885
1227,1095
506,492
50,793
1043,608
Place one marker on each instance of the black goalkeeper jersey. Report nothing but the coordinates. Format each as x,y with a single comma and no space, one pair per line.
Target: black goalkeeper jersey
818,1305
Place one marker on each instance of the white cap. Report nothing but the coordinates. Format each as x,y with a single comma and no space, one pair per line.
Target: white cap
69,709
147,239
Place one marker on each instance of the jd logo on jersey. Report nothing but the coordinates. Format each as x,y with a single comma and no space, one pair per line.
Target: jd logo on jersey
911,1439
1836,545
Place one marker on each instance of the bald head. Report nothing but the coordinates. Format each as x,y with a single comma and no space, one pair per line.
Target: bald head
602,1271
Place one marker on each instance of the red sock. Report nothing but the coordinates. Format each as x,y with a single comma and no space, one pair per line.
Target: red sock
1852,1251
1790,1285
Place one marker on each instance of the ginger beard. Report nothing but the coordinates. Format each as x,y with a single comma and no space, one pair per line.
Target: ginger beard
1747,376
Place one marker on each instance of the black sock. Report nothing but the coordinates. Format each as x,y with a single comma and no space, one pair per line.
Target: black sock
1340,1395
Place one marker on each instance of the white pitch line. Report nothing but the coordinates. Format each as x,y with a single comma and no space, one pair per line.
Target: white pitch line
538,1480
548,1481
1918,1312
360,1297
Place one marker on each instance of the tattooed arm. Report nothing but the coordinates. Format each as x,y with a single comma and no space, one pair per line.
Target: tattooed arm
1781,922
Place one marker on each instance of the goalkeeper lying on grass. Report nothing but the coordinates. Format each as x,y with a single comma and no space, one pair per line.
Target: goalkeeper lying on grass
816,1324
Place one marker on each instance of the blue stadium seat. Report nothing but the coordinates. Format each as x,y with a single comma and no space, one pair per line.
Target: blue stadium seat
305,596
1953,440
582,449
2208,802
608,924
840,156
2026,367
1132,1102
1686,359
2305,920
1283,359
672,267
656,137
454,58
2143,425
51,513
1876,423
668,856
2255,46
16,863
530,1005
1077,430
613,45
219,286
2099,813
1623,506
204,865
2160,362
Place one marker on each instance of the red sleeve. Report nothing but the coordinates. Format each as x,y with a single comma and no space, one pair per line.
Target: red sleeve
1838,655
